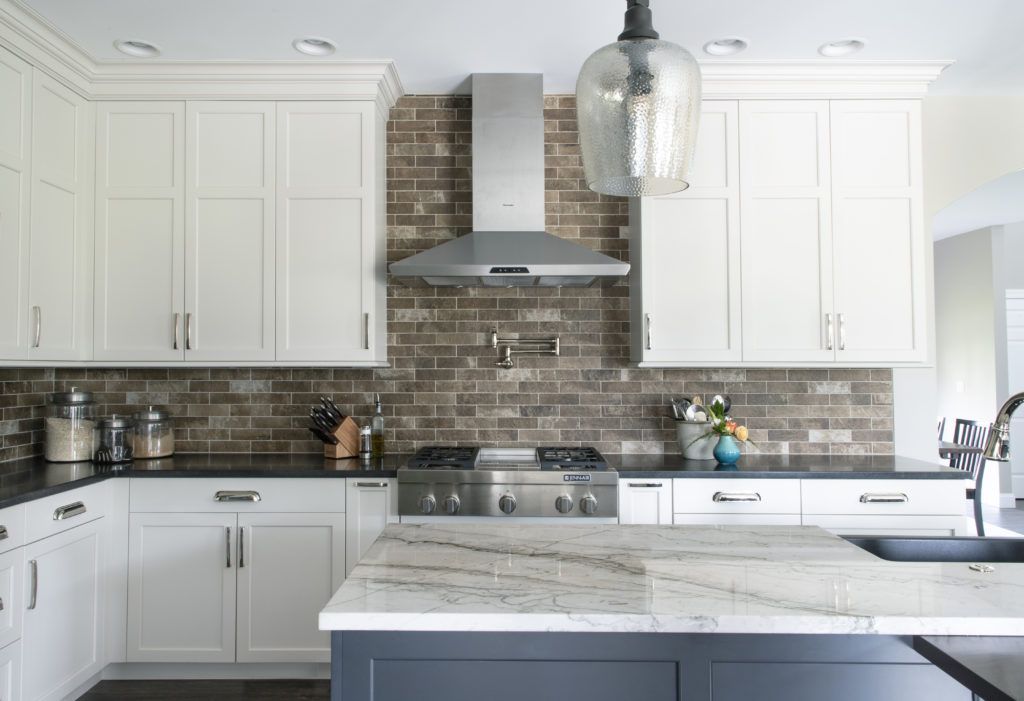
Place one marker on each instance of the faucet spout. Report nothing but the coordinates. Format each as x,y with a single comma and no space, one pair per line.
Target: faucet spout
998,445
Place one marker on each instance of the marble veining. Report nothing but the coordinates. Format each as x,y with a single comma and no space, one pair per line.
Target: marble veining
679,579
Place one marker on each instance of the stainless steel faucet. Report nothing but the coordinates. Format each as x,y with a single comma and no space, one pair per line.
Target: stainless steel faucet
998,446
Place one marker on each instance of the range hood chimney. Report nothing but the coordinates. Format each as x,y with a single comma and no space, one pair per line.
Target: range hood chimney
508,246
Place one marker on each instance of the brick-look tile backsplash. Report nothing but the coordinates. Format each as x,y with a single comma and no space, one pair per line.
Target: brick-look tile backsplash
443,386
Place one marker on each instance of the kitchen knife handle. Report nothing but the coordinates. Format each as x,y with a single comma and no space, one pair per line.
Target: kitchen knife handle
647,319
188,331
366,331
177,321
38,337
829,333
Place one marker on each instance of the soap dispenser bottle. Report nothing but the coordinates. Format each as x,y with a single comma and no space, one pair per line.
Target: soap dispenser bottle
377,429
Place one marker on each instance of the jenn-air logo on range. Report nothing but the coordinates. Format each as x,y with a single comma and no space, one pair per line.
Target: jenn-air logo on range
575,478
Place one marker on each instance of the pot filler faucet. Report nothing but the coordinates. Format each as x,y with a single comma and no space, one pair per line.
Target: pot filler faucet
998,446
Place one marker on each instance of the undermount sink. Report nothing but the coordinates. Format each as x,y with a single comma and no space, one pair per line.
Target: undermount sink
941,548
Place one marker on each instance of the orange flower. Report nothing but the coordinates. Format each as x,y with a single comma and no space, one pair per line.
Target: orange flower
742,433
730,426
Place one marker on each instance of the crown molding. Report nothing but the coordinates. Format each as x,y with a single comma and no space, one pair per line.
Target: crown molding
31,36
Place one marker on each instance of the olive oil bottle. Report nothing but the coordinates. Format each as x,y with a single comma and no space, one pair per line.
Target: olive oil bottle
377,430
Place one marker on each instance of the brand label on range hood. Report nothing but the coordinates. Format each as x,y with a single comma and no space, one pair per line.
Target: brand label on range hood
507,270
575,478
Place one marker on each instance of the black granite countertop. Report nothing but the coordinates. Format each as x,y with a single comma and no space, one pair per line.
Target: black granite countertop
32,478
785,467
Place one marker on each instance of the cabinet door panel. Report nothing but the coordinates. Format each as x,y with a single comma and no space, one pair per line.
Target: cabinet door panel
787,238
11,582
325,232
645,501
181,588
140,231
878,231
15,170
686,290
229,233
10,672
63,632
289,565
370,506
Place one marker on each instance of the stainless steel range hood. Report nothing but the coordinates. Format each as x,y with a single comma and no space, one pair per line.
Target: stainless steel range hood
508,246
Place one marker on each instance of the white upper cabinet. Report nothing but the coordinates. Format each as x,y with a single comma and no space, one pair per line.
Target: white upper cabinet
685,284
140,232
61,230
15,168
330,277
878,231
787,237
229,231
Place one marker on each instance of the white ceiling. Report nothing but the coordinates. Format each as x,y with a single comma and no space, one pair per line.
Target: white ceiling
1000,201
437,43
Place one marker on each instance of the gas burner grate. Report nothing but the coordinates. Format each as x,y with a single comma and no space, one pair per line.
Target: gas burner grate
444,457
571,458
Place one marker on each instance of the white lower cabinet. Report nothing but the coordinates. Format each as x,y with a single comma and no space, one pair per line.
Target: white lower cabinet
370,506
289,566
736,501
645,501
181,588
896,507
10,672
63,625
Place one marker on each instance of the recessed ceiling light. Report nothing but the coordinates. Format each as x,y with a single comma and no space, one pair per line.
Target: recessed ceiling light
841,47
138,49
726,46
314,46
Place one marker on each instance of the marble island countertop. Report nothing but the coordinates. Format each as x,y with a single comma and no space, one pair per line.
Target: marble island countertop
679,579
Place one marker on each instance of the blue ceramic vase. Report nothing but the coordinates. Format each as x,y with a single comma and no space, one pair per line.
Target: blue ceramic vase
726,451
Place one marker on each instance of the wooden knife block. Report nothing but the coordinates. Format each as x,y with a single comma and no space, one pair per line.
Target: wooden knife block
347,433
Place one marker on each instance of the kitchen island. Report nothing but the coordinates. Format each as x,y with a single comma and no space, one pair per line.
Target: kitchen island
461,612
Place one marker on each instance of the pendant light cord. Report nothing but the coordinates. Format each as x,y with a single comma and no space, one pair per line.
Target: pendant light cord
639,21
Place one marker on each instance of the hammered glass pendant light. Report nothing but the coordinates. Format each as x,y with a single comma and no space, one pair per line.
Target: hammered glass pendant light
638,106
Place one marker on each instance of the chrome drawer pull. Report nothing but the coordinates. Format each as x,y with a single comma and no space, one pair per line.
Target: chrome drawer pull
4,535
892,498
372,485
229,495
65,512
241,547
645,485
735,496
227,548
33,568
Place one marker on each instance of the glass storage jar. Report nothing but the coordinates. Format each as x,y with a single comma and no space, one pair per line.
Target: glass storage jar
154,436
116,441
70,426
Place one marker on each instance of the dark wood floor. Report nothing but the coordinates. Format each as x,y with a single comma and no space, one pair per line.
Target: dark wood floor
221,690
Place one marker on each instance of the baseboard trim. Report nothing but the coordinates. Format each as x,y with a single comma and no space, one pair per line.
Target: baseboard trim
228,670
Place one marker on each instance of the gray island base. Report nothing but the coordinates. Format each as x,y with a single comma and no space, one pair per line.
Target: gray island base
687,613
459,666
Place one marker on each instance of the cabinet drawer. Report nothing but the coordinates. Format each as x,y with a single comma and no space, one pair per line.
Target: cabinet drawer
883,497
736,496
12,528
54,514
891,525
237,494
11,602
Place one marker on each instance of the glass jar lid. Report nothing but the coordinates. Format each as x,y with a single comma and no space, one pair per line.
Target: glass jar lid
152,414
75,396
116,421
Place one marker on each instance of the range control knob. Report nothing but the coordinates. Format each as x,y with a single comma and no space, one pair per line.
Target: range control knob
507,503
428,504
588,505
563,504
451,505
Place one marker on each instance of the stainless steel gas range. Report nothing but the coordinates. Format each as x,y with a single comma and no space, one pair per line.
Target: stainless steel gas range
445,482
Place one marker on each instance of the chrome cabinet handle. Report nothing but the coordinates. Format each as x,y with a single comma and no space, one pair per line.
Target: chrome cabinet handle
829,333
842,332
231,495
227,543
68,510
4,535
644,485
33,568
38,336
372,485
366,331
241,547
188,330
177,320
890,498
650,323
735,496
